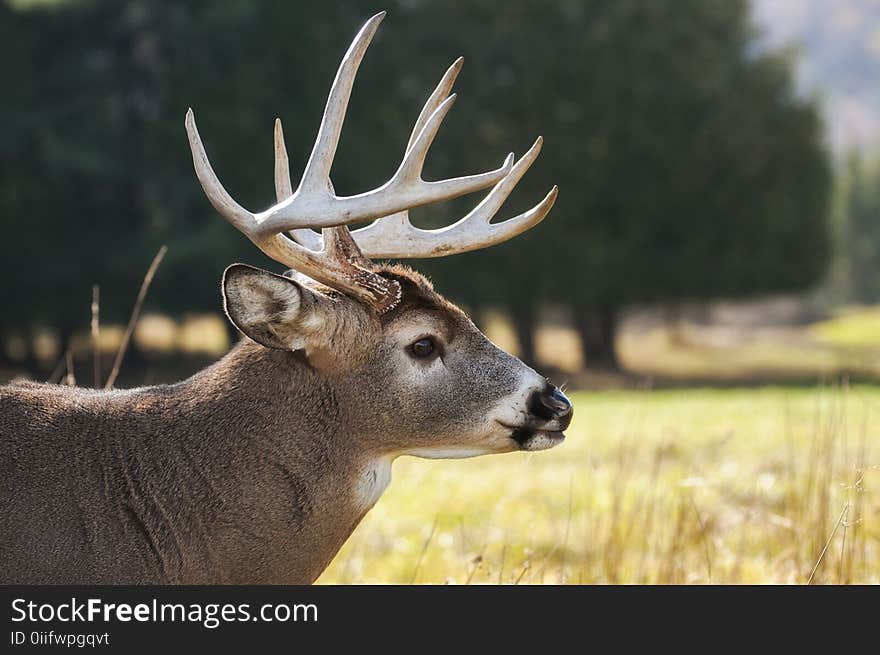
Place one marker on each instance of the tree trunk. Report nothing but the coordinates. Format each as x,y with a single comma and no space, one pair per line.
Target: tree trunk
675,325
524,324
597,328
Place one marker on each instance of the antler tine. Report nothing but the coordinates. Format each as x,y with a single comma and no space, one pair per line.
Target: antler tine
317,171
283,189
394,237
414,160
436,99
240,217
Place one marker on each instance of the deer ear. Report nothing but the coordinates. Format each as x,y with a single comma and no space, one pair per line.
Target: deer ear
268,308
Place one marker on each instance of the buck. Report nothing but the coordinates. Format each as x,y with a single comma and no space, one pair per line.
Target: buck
258,468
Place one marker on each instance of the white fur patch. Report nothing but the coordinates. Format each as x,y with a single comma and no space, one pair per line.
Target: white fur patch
442,452
373,481
514,409
265,287
541,441
311,322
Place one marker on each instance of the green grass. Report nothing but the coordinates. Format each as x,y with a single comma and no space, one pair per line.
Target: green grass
695,486
854,329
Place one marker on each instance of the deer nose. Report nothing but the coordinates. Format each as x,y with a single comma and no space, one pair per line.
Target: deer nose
551,404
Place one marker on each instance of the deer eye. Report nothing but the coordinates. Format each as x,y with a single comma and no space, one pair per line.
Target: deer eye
423,348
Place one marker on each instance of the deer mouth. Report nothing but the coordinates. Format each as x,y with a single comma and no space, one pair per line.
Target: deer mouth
532,439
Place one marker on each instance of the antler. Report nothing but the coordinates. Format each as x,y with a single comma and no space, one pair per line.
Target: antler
335,257
395,237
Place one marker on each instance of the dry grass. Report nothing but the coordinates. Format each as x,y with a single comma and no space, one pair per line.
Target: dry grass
770,354
697,486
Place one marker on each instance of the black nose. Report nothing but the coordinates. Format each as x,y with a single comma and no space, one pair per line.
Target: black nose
550,404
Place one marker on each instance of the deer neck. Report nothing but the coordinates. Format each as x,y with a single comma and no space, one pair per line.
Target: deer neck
268,470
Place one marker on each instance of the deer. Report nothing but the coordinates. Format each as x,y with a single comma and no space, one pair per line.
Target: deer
258,468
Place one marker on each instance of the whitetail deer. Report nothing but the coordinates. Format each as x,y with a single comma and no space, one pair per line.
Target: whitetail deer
257,469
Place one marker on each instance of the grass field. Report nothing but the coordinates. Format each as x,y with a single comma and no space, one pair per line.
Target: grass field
677,486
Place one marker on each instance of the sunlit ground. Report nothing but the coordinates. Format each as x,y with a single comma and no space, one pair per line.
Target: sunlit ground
692,486
846,344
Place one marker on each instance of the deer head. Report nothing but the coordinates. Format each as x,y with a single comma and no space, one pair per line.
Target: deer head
407,366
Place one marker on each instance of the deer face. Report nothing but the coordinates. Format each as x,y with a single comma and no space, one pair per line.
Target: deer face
419,380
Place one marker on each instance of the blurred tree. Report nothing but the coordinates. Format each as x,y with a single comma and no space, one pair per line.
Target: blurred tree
67,173
860,209
687,166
